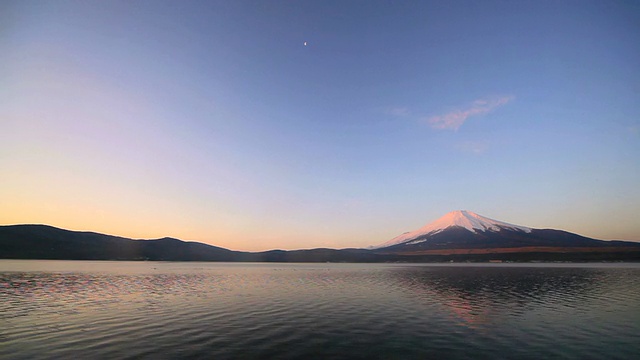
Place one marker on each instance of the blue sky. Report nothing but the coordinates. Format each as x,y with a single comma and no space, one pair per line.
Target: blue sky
213,121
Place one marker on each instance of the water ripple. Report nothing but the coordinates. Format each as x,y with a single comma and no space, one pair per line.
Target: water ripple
289,311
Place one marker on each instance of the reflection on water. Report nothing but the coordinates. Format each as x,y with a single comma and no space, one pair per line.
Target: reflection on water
60,309
476,295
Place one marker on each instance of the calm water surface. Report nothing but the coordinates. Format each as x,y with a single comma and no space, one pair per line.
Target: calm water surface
156,310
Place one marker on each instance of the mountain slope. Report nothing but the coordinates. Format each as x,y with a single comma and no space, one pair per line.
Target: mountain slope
467,230
461,218
47,242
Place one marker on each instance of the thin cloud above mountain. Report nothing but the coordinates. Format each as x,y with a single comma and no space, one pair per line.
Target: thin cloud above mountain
454,119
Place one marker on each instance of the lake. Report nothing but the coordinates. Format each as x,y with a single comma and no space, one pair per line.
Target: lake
165,310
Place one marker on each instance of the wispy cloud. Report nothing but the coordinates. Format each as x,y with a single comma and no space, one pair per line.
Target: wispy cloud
454,119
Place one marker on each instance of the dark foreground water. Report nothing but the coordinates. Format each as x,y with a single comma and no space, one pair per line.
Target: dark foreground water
114,310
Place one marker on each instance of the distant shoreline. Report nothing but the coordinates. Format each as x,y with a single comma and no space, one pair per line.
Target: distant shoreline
42,242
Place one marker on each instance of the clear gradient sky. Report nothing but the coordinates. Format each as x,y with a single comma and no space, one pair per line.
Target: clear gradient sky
213,121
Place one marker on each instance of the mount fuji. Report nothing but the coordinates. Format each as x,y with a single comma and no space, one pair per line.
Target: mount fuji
467,232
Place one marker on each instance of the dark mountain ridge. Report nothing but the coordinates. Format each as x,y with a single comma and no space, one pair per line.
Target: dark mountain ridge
48,242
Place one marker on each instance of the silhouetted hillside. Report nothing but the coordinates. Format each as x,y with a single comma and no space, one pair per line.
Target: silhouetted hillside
47,242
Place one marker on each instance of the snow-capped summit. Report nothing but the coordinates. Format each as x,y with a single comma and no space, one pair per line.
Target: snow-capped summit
461,218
